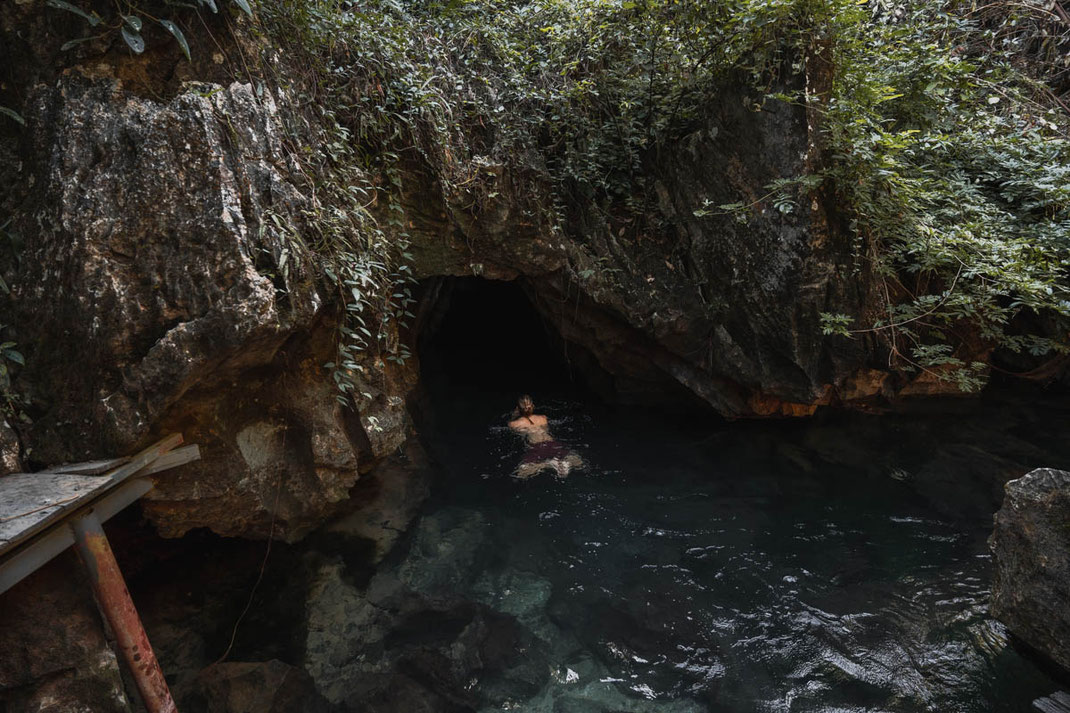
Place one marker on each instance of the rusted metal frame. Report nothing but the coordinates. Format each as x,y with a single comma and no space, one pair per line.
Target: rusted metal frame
118,608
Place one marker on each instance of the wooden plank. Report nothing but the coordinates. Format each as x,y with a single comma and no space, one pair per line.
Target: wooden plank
28,517
1058,702
32,554
173,459
96,467
64,497
28,498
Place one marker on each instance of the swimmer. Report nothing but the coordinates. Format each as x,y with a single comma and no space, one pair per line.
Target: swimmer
543,451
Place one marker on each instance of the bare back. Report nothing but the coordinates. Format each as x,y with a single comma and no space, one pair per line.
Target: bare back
534,427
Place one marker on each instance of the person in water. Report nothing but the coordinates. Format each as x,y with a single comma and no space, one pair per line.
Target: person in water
543,451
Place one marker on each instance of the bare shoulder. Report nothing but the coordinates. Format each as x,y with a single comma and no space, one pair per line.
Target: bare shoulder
527,423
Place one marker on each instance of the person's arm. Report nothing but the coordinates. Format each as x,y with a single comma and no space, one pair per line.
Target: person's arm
526,470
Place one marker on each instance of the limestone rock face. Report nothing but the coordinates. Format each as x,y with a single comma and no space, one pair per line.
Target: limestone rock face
155,295
153,291
282,454
717,307
1031,546
61,664
156,287
146,264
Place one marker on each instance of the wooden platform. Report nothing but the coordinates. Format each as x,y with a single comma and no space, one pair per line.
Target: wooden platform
1058,702
34,507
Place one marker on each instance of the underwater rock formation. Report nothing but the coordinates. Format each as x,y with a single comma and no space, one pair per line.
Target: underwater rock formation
1031,546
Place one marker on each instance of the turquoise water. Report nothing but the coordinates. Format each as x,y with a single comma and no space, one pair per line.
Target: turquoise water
696,566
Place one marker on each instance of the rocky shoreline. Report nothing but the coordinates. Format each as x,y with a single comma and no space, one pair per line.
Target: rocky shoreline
1031,548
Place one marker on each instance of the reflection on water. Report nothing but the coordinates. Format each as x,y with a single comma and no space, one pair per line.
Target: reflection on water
744,567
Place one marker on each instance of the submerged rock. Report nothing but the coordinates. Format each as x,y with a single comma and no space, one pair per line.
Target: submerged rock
408,641
447,548
1031,545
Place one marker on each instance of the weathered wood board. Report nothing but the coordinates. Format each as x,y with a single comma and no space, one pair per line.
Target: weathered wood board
29,500
96,467
1058,702
32,502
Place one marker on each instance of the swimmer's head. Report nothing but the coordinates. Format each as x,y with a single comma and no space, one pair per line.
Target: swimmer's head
525,406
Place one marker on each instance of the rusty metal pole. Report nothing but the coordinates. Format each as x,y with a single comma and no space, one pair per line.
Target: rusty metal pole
110,588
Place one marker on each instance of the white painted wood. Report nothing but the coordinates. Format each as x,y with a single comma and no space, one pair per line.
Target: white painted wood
32,502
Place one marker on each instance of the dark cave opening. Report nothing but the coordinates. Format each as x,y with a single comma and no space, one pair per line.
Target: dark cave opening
482,343
486,337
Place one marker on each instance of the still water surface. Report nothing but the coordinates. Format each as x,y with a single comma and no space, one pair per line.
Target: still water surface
829,567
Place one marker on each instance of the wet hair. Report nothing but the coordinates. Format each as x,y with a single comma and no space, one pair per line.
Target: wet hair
522,405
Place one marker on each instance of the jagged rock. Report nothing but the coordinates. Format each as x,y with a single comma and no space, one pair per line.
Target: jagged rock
1031,546
146,253
279,455
60,664
715,309
153,261
388,498
255,687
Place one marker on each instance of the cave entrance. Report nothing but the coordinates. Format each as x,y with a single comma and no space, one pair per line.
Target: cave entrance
485,340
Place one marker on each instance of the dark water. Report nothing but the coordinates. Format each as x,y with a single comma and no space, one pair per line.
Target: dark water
696,566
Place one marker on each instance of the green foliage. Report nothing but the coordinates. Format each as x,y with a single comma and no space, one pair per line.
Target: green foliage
13,115
955,168
128,21
948,157
354,233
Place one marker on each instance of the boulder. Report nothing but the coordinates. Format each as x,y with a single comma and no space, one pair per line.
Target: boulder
256,687
387,500
159,256
1031,547
60,664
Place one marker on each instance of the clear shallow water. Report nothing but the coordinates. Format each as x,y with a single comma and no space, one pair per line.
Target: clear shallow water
736,568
